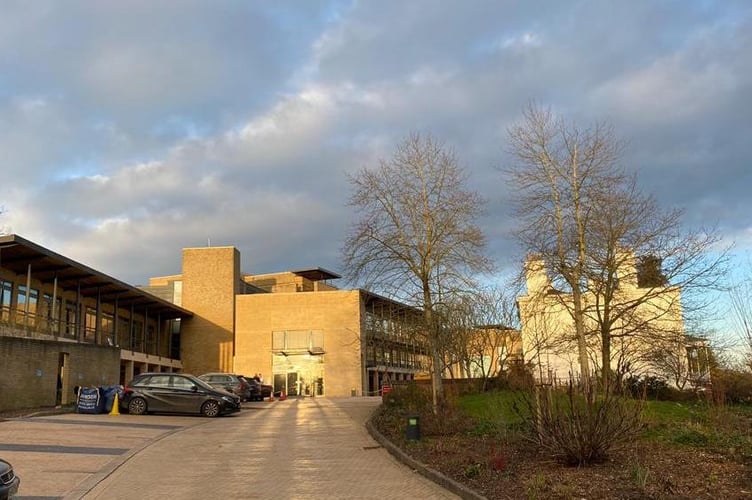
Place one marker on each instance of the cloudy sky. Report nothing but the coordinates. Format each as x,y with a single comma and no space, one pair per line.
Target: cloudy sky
132,129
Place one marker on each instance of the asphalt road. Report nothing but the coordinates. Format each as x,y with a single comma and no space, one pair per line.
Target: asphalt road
300,448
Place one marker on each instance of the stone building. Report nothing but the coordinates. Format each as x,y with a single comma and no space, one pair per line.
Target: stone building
648,338
63,324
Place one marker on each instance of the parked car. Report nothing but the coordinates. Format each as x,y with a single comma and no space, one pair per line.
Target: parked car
9,482
176,393
258,391
230,382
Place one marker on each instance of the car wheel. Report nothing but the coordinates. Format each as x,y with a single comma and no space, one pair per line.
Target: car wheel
137,406
210,408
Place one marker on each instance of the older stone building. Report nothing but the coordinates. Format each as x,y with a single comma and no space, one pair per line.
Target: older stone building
647,339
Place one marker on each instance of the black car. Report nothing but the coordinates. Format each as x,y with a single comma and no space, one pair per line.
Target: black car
229,382
257,391
176,393
8,481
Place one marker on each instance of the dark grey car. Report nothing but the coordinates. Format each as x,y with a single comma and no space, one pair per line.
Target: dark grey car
8,481
229,382
176,393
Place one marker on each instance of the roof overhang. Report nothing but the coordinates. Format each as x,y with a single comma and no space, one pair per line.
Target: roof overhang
316,274
374,298
19,255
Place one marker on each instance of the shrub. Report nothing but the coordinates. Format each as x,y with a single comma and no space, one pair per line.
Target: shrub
581,429
413,399
516,377
650,387
731,386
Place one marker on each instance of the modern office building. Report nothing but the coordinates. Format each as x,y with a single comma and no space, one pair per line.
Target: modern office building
63,324
300,332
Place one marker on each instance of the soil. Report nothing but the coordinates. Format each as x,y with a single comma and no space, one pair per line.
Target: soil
515,470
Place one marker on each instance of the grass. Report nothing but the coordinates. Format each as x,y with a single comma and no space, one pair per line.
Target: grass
724,429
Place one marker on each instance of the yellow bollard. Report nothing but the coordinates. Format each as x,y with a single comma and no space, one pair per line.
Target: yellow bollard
115,406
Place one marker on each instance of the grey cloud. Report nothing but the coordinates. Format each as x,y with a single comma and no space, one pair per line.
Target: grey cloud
238,122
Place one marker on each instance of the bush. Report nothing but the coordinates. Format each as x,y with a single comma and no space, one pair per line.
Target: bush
413,399
731,386
650,387
581,429
517,377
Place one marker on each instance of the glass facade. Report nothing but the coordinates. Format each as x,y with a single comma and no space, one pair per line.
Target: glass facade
298,362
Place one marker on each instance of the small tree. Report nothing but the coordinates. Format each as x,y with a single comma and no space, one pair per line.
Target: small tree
416,238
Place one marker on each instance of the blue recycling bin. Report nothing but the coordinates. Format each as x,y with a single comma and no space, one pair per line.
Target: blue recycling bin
108,395
89,400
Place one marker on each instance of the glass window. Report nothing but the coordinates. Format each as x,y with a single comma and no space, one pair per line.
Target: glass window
90,325
22,307
6,295
159,381
181,382
70,319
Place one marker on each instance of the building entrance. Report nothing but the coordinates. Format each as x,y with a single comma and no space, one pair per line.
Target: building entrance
299,375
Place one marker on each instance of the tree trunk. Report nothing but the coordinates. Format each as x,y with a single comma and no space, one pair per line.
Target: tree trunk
433,340
580,332
605,357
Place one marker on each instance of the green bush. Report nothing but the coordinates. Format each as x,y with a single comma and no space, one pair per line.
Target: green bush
517,377
650,387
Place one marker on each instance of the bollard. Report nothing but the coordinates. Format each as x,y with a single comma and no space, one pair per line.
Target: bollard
412,432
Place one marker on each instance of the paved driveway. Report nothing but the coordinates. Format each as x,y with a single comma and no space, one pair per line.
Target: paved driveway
299,448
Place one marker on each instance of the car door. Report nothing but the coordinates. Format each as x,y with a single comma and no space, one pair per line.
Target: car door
158,394
186,396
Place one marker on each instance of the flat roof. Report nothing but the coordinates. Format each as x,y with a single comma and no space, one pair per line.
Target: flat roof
374,298
316,274
17,254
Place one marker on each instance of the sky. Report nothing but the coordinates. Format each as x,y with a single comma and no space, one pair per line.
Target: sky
132,129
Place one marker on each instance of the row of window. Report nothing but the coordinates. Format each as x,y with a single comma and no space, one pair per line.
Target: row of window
379,356
311,341
35,310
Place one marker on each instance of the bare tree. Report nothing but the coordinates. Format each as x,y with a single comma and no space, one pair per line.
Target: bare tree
740,293
628,268
416,238
481,331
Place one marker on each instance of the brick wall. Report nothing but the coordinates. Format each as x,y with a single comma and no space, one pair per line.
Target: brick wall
211,278
28,375
337,314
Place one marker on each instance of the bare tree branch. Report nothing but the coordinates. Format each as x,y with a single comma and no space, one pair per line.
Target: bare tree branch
416,239
621,267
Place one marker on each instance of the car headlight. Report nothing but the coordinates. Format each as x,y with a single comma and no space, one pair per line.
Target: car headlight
228,399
